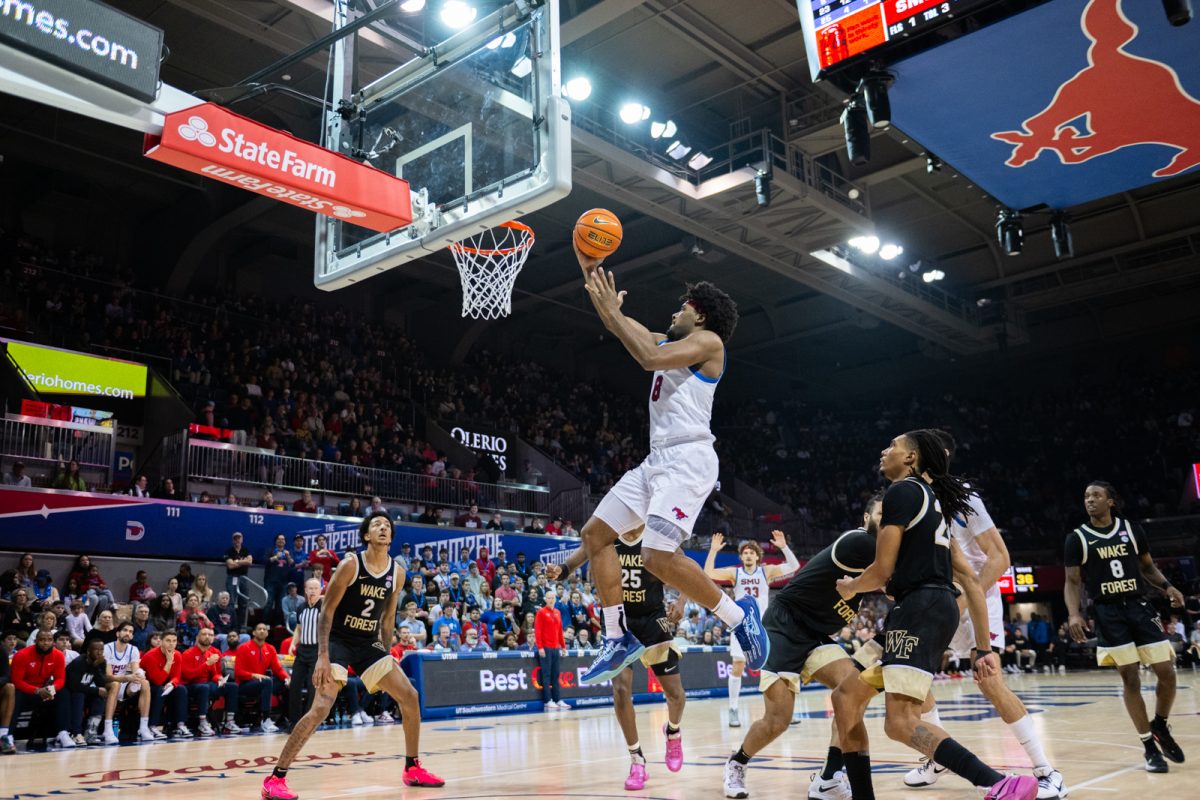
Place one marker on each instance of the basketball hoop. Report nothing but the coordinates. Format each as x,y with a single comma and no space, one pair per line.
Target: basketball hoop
488,265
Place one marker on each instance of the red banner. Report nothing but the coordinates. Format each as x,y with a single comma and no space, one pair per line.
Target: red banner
215,142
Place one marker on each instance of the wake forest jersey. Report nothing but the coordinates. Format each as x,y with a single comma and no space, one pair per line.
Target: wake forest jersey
1109,558
641,592
358,613
924,557
812,595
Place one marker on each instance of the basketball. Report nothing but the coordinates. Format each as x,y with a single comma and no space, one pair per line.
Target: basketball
598,233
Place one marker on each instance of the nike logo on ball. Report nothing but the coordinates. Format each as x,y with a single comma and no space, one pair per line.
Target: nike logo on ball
598,221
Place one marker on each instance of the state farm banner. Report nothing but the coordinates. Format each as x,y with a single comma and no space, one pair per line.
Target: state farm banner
217,143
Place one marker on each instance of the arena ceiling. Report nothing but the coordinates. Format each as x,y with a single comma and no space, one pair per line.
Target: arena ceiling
716,70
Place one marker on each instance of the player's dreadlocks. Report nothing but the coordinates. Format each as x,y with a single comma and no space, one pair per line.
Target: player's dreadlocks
950,490
1112,492
719,311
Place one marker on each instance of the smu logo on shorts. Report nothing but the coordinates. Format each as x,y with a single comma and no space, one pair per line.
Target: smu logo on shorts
679,513
901,644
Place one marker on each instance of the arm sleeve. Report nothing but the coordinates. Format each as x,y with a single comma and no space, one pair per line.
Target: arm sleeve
1073,550
901,503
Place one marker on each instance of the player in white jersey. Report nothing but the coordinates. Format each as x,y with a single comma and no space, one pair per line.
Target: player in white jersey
752,579
124,670
987,554
668,490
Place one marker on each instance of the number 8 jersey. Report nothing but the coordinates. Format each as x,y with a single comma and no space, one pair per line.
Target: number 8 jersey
358,613
1109,558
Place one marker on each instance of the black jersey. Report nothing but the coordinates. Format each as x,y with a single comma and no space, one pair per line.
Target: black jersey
812,595
1110,559
924,557
641,592
358,613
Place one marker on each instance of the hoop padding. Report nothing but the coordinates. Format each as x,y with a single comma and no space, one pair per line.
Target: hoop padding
488,265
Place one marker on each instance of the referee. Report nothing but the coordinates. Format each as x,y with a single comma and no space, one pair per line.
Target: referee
304,646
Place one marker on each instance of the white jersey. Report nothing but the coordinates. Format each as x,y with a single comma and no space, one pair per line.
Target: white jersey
752,584
120,662
681,402
965,533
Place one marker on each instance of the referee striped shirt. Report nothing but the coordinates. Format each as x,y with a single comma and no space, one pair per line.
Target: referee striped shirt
306,624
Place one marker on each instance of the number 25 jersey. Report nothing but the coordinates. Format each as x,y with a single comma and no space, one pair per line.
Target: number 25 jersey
1109,559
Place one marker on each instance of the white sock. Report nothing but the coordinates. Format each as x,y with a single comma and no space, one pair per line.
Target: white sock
729,612
614,621
735,690
932,716
108,727
3,732
144,724
1023,730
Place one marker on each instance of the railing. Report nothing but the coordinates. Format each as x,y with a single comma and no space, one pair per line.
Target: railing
216,462
49,441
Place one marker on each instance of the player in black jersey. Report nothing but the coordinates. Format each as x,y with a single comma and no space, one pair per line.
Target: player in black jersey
801,621
1114,555
358,615
648,618
918,561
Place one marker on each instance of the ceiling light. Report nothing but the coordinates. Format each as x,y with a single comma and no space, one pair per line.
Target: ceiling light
1009,231
678,150
412,6
858,131
865,244
933,275
458,14
507,40
699,161
762,188
875,96
1060,234
578,88
890,251
523,67
663,130
633,113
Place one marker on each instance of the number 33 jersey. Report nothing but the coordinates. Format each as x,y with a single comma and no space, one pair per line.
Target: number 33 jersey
361,608
1109,558
752,584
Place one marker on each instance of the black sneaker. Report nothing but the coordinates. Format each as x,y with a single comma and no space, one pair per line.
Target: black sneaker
1155,762
1162,735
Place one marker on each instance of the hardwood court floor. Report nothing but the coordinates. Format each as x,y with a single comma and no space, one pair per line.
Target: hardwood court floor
580,753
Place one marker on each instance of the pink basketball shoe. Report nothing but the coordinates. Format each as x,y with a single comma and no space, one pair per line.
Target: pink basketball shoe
674,750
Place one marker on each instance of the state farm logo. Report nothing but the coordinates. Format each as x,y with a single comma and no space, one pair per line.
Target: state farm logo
347,213
196,130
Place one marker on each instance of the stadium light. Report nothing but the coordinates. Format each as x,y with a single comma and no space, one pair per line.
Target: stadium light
633,113
762,188
663,130
678,149
890,251
1060,233
699,161
865,244
1179,12
933,275
1009,231
412,6
507,40
458,14
875,96
523,67
858,131
578,88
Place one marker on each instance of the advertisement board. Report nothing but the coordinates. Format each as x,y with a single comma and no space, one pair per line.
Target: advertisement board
52,371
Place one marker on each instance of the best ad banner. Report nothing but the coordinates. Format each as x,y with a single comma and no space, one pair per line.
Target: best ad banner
117,525
466,684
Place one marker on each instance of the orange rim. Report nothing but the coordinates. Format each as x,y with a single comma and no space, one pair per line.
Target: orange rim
504,251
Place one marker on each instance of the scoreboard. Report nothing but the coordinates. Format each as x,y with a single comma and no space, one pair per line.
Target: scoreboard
838,31
1017,580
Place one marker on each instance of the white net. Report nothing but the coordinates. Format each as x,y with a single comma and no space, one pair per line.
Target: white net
488,265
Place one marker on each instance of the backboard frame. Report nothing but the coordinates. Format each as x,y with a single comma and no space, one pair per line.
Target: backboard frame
436,226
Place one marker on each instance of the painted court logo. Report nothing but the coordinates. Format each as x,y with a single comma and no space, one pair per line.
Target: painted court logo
1118,100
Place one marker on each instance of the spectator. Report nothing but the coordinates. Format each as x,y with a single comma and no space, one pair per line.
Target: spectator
201,589
429,516
325,558
293,601
505,624
448,620
464,562
496,523
472,644
505,592
139,590
78,624
46,622
577,613
535,526
26,571
376,506
105,630
278,569
356,509
522,568
443,642
469,518
142,627
206,499
410,623
533,600
405,643
202,673
140,487
305,505
299,560
583,639
231,642
97,590
473,622
223,616
87,678
267,500
405,556
69,477
474,583
237,565
171,592
184,578
163,666
164,613
509,643
124,670
166,490
548,636
569,530
39,675
17,617
256,670
555,527
18,477
189,621
44,593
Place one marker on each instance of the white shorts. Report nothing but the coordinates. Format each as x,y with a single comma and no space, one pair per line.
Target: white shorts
963,643
673,483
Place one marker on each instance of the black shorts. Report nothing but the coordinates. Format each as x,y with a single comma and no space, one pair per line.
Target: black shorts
653,631
1128,632
919,629
791,641
361,656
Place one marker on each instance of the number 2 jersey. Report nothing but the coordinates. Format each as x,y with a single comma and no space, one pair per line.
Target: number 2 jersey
1109,559
359,611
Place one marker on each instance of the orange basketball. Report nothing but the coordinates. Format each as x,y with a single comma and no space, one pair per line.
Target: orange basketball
598,233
